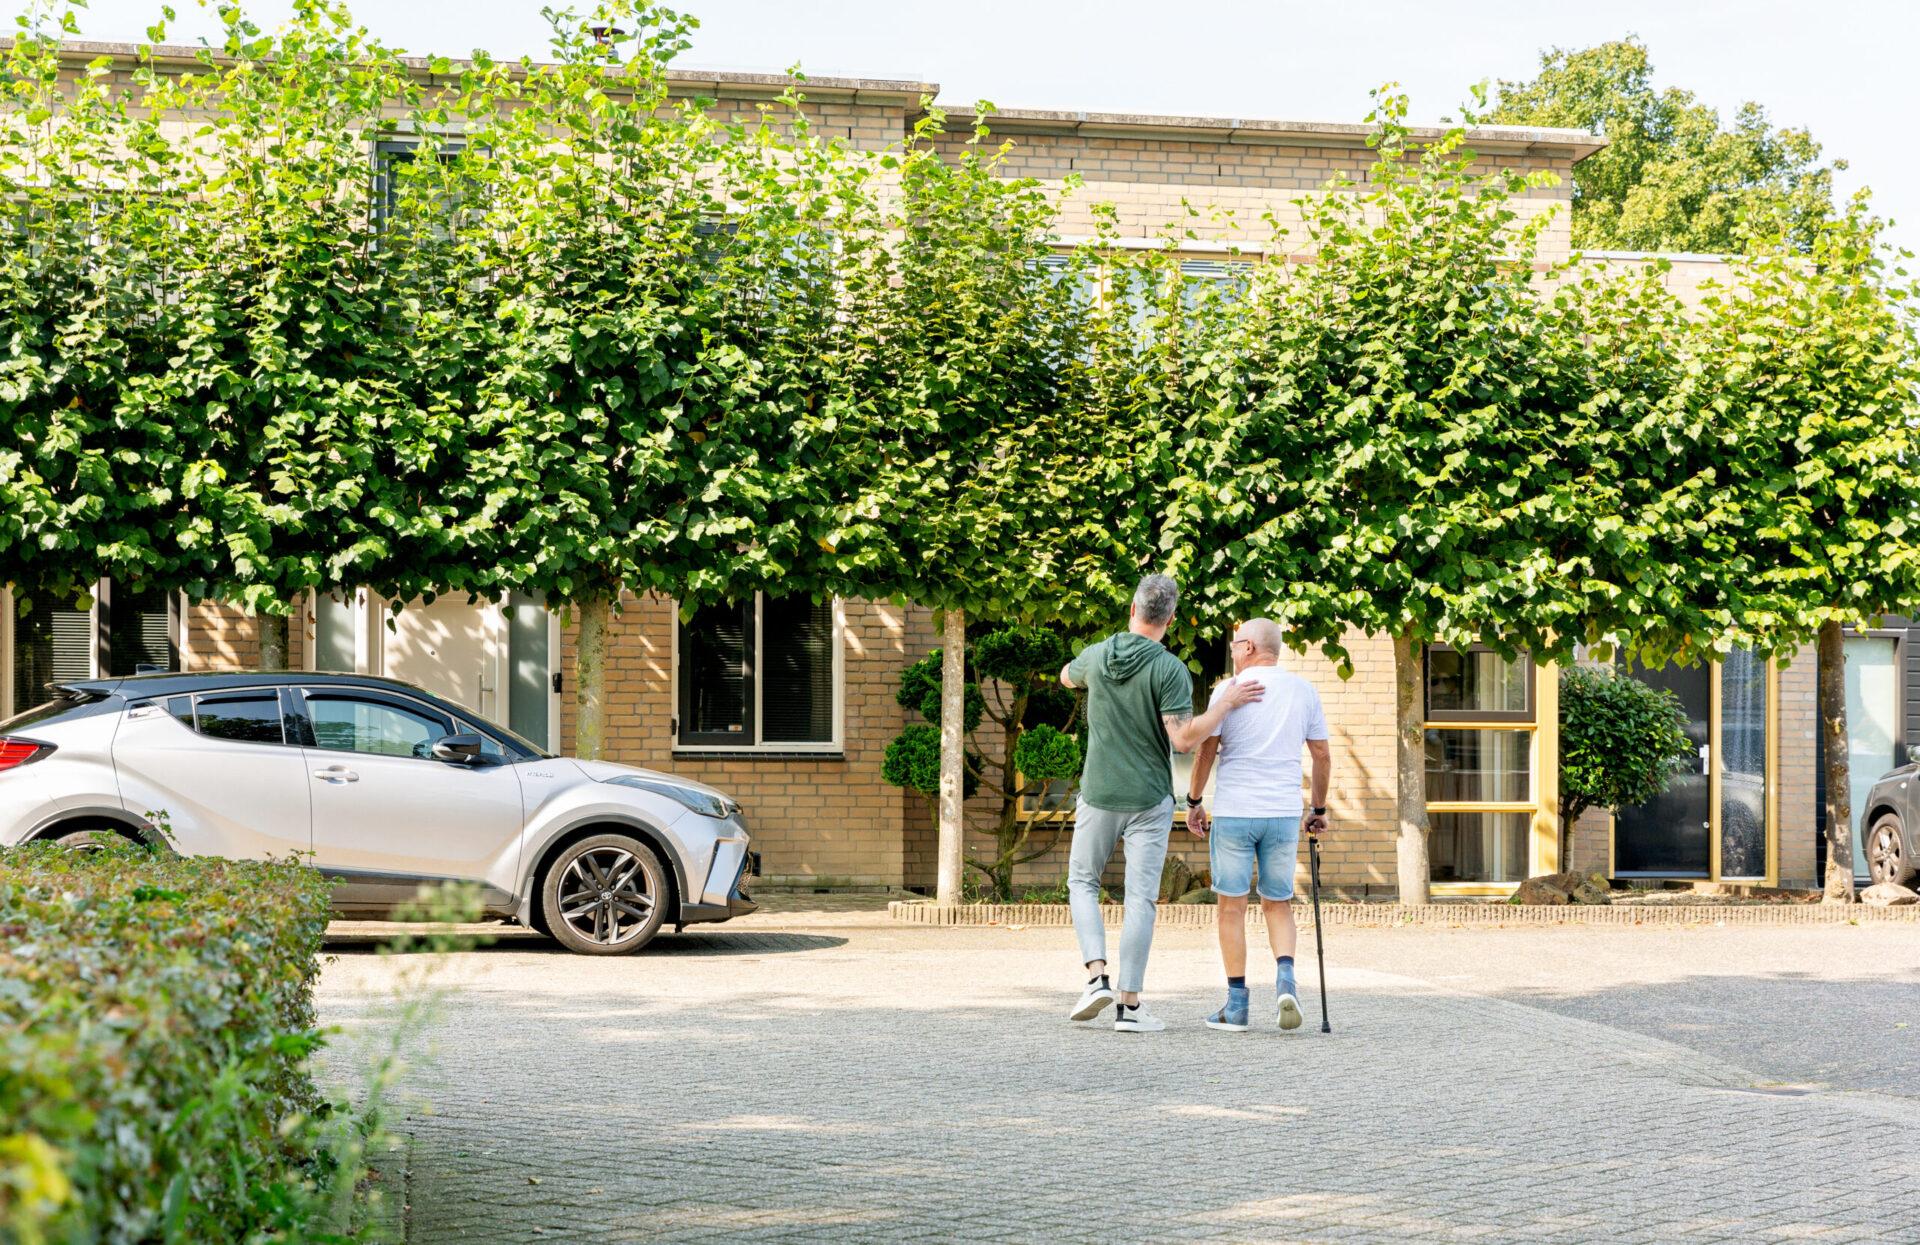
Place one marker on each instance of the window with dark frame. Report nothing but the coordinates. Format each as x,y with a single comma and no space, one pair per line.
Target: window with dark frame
758,674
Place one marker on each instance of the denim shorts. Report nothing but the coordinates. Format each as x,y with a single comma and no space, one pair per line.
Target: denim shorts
1236,841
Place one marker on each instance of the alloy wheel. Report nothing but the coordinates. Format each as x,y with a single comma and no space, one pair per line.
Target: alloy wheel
1884,857
606,896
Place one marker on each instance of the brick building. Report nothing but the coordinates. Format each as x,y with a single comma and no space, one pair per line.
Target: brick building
801,746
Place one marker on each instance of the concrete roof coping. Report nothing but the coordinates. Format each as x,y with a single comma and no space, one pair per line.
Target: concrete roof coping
1576,145
1678,257
1203,246
903,92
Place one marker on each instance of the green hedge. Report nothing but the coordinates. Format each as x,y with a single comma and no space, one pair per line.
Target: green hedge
156,1015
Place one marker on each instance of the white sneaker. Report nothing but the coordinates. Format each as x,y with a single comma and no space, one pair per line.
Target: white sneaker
1096,1000
1289,1012
1137,1020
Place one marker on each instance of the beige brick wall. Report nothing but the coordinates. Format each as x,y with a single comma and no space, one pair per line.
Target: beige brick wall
1152,182
224,637
825,821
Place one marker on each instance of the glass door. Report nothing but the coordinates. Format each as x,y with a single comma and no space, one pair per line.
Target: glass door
1742,778
1873,723
1714,821
1670,836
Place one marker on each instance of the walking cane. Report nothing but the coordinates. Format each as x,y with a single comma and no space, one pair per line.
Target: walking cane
1319,945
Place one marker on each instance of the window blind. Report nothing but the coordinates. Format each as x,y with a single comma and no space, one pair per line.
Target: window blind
796,695
716,676
49,646
139,631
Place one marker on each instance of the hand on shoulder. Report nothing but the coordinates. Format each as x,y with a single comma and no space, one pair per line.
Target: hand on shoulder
1238,691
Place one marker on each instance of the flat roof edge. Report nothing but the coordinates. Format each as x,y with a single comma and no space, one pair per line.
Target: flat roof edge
1683,257
876,90
1575,144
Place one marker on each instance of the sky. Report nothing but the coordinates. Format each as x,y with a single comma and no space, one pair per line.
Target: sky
1843,69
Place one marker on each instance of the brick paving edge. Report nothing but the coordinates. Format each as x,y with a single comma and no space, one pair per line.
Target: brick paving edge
1202,915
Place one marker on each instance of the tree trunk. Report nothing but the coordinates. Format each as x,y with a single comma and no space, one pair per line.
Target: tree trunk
590,678
1833,741
953,745
1410,756
276,650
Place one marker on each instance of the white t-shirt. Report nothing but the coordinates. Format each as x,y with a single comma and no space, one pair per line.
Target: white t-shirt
1260,742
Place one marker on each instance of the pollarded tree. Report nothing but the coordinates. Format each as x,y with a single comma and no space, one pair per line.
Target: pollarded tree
1379,439
286,383
593,250
1001,491
91,481
1810,369
1029,771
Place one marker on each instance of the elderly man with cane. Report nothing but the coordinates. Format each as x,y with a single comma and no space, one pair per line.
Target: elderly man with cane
1139,705
1257,813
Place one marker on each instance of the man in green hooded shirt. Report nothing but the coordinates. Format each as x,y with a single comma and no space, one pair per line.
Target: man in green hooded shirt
1139,710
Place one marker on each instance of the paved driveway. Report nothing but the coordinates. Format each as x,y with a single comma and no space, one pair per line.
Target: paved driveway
829,1077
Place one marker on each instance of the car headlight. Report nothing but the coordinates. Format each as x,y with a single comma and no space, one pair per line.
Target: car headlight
705,803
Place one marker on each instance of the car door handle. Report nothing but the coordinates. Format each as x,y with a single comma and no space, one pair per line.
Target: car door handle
337,773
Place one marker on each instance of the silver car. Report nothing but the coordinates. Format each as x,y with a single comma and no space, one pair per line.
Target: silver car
388,788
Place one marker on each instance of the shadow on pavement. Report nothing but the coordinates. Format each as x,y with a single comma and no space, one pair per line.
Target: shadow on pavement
1785,1026
665,946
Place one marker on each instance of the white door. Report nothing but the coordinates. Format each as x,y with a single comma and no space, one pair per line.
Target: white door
386,815
453,649
222,770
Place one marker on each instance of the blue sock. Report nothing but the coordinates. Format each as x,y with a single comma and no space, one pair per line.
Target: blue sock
1285,961
1236,983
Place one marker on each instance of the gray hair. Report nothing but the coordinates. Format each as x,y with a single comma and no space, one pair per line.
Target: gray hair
1155,598
1264,633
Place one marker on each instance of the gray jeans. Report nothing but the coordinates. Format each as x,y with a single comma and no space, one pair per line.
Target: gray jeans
1095,832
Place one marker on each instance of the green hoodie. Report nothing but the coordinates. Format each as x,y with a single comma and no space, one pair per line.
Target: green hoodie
1131,681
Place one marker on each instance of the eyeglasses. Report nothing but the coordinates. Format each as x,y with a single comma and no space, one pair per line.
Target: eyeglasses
1231,643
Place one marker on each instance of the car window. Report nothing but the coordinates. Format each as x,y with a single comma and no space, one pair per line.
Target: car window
350,724
250,717
60,710
181,707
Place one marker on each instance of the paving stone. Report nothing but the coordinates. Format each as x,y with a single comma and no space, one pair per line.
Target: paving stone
852,1085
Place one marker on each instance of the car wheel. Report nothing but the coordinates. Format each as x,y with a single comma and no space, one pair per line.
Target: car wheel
92,840
606,895
1886,852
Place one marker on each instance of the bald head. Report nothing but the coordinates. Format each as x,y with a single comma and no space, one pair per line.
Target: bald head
1264,635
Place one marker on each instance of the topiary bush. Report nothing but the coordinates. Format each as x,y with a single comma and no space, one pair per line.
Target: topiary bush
1621,742
156,1017
1024,745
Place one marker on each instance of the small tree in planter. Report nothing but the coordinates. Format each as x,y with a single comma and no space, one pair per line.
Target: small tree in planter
1621,742
1036,721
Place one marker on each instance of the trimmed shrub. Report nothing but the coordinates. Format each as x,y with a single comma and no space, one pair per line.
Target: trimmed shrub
156,1015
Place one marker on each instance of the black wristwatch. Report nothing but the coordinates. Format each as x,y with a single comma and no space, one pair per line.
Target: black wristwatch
1321,811
1194,801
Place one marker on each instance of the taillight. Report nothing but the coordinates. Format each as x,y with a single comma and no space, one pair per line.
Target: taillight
17,752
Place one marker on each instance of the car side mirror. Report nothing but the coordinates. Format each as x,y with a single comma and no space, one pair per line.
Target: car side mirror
460,749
